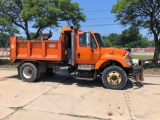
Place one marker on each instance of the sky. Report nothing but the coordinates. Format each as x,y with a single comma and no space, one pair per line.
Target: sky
98,18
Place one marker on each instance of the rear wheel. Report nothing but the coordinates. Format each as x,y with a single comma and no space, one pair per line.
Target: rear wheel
28,72
114,77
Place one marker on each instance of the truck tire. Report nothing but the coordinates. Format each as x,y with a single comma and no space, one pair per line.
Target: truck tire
114,77
28,72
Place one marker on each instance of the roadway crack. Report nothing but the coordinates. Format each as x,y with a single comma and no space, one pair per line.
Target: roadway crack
129,109
84,116
21,107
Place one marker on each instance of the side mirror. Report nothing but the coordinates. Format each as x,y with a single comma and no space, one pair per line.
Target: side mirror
88,39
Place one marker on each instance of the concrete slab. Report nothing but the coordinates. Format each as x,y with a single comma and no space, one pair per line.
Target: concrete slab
7,72
16,93
85,101
143,101
5,112
37,115
60,97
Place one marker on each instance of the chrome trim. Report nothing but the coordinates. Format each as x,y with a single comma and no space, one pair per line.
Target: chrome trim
125,55
72,47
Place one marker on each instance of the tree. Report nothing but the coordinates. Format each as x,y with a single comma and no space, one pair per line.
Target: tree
6,30
107,41
7,27
4,39
40,14
129,35
114,39
129,38
140,13
132,38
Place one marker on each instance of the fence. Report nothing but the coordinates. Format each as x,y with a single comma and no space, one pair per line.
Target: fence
4,53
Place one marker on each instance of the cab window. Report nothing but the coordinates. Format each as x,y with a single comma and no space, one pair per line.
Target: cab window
82,39
93,44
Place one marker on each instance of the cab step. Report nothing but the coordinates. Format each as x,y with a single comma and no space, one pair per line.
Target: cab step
84,78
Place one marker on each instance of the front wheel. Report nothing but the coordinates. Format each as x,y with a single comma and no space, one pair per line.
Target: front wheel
114,77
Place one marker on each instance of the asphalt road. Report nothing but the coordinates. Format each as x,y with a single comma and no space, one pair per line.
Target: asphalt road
63,98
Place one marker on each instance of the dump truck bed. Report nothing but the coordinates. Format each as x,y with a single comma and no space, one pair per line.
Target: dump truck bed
51,50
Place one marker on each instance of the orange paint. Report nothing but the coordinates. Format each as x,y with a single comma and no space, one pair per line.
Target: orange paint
55,50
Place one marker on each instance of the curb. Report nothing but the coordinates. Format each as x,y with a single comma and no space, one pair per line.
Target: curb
8,68
151,75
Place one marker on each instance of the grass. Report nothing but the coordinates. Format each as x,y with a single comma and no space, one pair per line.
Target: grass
142,57
153,71
5,63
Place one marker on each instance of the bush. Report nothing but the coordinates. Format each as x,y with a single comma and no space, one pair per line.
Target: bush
151,65
4,61
7,62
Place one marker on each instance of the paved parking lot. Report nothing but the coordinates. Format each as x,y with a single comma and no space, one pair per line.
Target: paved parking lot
63,98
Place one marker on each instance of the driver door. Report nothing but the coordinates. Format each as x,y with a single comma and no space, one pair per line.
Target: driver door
87,52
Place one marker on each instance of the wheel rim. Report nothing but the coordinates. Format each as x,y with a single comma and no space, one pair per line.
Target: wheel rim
114,78
27,72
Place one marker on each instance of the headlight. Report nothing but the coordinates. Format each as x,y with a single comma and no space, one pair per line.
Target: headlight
128,62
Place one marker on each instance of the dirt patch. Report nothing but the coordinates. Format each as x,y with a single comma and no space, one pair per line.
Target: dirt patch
154,71
9,66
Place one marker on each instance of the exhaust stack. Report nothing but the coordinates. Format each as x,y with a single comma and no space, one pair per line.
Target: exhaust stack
73,47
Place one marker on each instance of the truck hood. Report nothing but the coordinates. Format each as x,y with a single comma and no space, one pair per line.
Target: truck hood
113,51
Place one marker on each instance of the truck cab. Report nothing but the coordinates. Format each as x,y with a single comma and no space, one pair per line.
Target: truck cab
83,54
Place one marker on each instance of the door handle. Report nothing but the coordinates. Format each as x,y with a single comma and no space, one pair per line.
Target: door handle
78,55
92,50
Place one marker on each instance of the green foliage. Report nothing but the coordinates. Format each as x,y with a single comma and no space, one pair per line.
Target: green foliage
4,39
140,13
107,42
129,35
4,61
130,38
151,65
113,39
142,57
151,43
22,38
40,14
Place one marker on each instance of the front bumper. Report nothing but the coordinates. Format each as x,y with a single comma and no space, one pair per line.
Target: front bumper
137,72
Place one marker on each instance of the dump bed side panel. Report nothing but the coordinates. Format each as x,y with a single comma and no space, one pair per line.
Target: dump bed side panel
50,50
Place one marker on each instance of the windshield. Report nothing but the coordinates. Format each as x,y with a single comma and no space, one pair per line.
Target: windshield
100,40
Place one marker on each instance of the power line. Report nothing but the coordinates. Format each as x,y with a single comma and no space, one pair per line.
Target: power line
99,25
100,18
98,21
96,11
93,25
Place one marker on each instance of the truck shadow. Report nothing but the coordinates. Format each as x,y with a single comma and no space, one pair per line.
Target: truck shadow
69,80
133,84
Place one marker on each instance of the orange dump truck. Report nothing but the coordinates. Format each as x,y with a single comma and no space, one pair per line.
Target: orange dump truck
83,54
